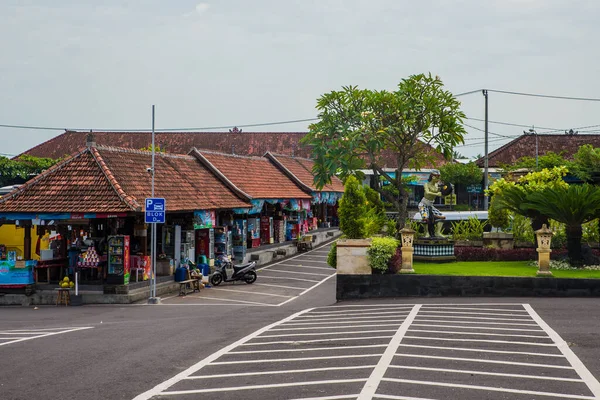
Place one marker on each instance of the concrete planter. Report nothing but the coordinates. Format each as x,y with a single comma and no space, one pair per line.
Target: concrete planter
352,257
498,240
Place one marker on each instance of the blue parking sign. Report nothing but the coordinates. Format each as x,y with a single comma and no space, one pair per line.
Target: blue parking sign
156,209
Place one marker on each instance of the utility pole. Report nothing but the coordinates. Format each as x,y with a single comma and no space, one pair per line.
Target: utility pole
485,157
153,299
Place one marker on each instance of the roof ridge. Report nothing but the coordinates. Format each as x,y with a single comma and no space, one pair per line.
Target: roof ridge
42,175
221,176
184,132
270,156
290,156
219,153
41,144
127,199
140,151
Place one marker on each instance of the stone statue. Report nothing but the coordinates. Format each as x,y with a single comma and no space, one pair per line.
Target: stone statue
429,214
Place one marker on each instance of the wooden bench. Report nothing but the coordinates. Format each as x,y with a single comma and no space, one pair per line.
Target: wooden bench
183,285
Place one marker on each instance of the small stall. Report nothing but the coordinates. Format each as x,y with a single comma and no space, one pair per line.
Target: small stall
16,274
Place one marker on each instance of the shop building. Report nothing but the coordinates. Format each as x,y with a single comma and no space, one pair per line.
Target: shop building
92,205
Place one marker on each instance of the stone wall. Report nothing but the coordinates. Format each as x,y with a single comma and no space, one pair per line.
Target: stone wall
376,286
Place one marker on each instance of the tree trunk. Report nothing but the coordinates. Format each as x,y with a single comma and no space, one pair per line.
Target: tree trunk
402,210
538,221
574,234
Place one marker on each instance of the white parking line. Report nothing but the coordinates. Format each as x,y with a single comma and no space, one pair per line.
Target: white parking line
477,322
405,308
427,308
430,315
474,313
252,292
278,286
368,346
478,360
481,350
287,278
296,342
333,327
253,387
327,333
307,266
481,341
384,362
289,371
480,333
297,272
44,332
479,327
306,317
564,348
463,371
491,389
359,320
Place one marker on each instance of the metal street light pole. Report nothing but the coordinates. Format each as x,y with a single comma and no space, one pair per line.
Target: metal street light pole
485,157
532,131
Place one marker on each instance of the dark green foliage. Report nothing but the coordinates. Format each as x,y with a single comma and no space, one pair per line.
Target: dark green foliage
332,255
352,210
498,218
15,171
461,174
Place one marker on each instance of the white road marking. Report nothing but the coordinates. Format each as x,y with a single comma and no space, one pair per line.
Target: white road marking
384,362
479,327
248,292
472,323
462,371
315,340
335,327
47,333
480,333
368,346
431,315
340,397
307,317
229,300
402,308
325,333
481,341
196,367
298,273
344,321
491,389
307,266
350,319
254,387
428,313
427,308
482,350
289,371
387,396
478,360
564,348
287,278
278,286
311,288
295,359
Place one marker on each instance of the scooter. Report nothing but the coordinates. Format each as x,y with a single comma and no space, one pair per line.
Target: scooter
243,272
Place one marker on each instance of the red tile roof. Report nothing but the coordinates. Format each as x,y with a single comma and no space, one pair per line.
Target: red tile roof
300,171
182,180
245,143
525,146
77,185
255,176
105,179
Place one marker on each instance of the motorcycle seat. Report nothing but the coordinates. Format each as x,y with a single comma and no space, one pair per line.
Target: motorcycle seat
242,266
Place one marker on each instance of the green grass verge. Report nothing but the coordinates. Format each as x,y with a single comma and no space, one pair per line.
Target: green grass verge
495,268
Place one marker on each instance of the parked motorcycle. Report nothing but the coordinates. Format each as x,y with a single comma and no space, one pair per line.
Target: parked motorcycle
243,272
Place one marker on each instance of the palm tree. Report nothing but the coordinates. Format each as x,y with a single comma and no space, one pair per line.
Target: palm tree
573,206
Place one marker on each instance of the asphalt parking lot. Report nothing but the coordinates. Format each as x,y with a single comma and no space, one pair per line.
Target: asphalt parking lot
427,351
277,284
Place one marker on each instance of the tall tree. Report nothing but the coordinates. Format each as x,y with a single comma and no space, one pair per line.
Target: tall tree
356,126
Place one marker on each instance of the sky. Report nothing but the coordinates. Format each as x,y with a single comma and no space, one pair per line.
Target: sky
82,64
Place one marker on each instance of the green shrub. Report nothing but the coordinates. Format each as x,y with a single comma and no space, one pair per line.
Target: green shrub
468,229
521,229
374,221
381,251
332,256
416,226
497,217
461,207
559,238
590,232
352,211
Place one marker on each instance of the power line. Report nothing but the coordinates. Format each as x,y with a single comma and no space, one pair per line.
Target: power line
466,93
480,143
491,133
48,128
544,95
512,124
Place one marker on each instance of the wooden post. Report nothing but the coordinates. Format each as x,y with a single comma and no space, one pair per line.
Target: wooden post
27,243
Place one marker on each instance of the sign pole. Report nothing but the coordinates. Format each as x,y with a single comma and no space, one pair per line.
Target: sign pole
153,299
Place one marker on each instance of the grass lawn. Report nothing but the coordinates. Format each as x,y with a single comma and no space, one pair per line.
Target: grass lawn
494,268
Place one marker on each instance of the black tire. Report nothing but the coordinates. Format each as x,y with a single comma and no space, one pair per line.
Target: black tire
250,277
216,279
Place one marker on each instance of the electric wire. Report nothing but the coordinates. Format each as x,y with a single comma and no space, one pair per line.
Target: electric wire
544,95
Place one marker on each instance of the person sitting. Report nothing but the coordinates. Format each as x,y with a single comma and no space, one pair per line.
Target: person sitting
430,214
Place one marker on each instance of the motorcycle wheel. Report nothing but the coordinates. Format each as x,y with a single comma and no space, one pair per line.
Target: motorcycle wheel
250,277
216,279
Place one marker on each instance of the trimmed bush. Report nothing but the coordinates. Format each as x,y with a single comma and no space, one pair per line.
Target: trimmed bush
381,251
352,209
395,263
468,229
332,256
